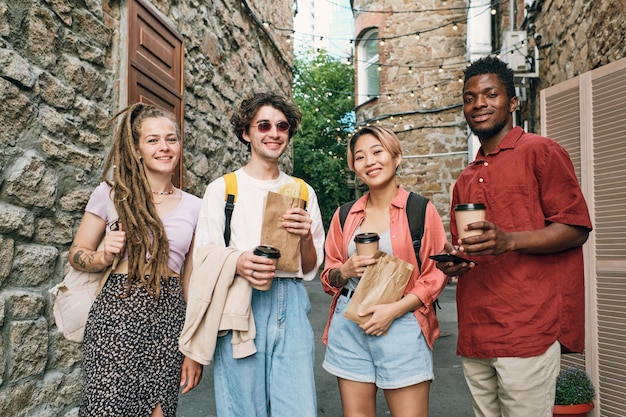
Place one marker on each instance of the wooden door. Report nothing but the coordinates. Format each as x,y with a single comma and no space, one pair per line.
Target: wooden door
155,64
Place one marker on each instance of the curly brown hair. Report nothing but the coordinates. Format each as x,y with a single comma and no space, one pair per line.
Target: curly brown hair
146,243
240,120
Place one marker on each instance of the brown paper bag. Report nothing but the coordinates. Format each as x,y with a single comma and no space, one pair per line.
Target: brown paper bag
274,234
382,283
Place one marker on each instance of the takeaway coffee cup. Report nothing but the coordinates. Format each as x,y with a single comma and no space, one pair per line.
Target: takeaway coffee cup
366,243
269,252
466,214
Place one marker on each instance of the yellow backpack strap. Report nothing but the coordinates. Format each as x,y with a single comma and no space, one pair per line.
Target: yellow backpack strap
231,186
304,190
230,198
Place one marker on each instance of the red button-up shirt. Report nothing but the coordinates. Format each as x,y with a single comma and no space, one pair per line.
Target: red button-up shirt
518,304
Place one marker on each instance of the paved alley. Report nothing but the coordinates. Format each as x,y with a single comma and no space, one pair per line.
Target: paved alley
448,398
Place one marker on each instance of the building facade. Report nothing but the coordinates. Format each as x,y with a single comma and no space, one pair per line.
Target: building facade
569,57
408,59
66,67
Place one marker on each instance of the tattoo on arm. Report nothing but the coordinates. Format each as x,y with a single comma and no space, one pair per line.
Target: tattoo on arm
335,278
85,260
77,258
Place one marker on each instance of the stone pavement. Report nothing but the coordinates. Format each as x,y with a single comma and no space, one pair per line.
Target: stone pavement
449,396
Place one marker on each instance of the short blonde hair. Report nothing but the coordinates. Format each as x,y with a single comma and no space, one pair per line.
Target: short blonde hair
386,137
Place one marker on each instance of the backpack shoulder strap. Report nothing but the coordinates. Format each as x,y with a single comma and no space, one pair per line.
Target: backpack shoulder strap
304,190
230,198
344,209
231,186
416,213
112,214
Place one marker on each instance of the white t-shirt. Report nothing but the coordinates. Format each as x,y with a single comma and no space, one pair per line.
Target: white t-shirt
247,216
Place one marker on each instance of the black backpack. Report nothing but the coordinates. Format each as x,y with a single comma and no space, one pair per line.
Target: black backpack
416,213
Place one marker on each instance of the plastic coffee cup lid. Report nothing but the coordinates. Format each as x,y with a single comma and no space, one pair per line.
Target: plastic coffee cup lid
467,207
267,251
366,238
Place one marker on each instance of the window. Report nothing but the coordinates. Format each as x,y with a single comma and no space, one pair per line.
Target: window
367,54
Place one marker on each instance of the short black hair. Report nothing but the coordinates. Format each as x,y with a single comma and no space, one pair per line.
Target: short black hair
492,65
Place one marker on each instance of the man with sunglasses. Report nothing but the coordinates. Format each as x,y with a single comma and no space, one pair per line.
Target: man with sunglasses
278,379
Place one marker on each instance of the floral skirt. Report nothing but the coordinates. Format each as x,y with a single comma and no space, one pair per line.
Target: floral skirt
131,358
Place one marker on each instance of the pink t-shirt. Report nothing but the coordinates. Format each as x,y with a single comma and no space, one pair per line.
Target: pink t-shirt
180,224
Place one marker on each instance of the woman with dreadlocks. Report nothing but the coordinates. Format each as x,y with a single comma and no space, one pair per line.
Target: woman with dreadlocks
132,365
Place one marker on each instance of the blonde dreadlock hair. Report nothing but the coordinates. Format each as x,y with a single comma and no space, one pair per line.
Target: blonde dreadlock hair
146,242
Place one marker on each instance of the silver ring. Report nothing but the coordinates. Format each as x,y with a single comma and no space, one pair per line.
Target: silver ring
252,274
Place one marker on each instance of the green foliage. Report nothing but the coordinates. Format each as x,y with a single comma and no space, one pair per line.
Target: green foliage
573,386
323,89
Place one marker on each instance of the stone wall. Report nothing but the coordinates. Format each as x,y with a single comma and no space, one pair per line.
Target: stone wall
59,79
577,36
420,94
422,103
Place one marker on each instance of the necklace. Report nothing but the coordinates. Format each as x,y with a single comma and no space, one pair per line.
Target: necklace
163,192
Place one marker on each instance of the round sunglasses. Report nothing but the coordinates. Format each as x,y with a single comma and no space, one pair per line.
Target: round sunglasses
265,127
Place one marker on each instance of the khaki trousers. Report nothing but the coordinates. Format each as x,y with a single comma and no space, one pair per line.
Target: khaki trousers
513,387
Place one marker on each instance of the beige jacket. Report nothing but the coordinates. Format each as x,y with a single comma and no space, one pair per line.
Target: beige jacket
218,302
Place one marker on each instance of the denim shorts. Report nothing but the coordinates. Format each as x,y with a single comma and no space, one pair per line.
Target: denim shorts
399,359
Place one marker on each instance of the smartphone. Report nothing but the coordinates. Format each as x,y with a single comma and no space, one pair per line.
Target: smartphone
447,257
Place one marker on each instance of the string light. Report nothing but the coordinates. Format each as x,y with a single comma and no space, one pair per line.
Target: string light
389,94
451,67
416,34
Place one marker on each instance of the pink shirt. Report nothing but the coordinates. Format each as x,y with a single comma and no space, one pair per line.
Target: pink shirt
518,304
179,224
426,286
